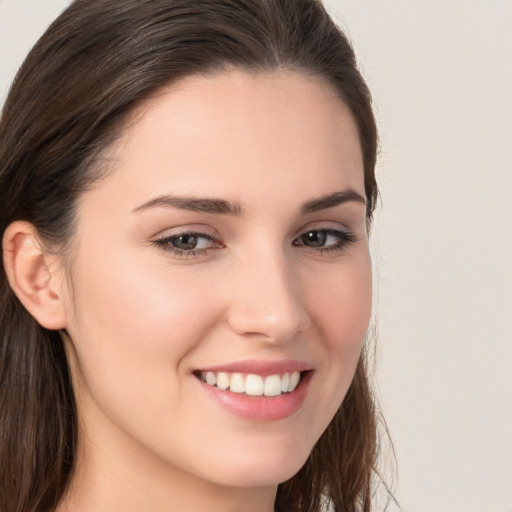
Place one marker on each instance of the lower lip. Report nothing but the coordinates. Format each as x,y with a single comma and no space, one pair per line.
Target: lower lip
260,408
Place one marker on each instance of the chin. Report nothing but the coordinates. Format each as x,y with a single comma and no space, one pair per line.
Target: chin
262,469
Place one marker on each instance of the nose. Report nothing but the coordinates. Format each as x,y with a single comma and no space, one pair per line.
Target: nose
266,300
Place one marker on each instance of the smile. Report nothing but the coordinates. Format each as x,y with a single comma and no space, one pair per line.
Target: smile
257,390
253,384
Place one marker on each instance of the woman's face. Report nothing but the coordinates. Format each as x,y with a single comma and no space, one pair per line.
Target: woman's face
227,245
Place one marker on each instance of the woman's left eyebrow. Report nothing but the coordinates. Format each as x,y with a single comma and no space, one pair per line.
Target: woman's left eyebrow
223,207
332,200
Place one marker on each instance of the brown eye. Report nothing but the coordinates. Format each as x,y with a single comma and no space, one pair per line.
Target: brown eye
185,242
324,240
314,238
188,244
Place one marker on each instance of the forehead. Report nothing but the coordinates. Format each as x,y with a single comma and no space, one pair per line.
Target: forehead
233,132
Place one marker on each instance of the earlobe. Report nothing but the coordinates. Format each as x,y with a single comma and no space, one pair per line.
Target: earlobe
30,271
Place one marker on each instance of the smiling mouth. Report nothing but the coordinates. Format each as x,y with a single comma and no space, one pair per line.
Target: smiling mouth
252,384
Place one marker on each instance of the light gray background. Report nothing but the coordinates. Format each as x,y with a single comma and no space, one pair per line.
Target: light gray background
441,75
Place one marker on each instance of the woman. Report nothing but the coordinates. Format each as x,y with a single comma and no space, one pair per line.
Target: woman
188,189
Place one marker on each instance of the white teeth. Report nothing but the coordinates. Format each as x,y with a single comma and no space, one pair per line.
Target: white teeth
294,381
237,384
223,380
285,383
272,386
252,384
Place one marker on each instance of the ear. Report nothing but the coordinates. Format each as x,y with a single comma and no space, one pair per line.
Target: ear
34,275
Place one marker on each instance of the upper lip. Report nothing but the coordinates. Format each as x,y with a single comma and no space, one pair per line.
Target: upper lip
260,367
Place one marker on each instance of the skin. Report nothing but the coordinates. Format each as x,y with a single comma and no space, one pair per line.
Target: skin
141,319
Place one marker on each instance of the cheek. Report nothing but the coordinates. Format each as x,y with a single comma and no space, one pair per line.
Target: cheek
340,304
139,306
133,325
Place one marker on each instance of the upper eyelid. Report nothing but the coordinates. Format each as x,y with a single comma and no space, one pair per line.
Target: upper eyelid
199,234
180,231
334,226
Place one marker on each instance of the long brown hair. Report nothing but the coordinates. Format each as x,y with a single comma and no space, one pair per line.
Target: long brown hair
93,65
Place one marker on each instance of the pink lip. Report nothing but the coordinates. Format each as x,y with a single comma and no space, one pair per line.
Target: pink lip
260,408
263,368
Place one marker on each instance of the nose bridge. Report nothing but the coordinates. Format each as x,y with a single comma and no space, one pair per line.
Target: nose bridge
267,300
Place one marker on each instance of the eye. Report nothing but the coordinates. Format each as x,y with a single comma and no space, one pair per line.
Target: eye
189,243
325,239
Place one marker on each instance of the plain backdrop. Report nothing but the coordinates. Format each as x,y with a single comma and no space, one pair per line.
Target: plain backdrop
441,75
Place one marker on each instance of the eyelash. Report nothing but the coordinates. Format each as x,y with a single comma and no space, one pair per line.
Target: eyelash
166,244
344,239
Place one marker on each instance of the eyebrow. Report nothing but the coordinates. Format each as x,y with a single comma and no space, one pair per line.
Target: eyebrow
332,200
195,204
223,207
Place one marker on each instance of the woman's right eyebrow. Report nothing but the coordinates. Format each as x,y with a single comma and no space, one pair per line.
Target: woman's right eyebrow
195,204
